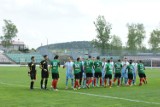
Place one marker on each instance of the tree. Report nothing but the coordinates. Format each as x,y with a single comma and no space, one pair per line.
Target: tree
10,31
116,42
154,40
103,37
136,35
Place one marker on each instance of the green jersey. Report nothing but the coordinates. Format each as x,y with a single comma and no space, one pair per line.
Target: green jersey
55,64
141,68
98,66
109,68
118,67
88,65
130,69
77,67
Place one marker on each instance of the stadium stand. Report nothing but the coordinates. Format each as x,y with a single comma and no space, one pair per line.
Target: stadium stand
4,59
149,60
114,57
25,58
45,51
143,57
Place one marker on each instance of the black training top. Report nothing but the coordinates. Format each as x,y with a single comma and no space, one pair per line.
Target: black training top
32,67
44,65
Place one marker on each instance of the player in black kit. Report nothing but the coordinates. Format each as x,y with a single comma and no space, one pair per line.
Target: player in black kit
44,72
32,71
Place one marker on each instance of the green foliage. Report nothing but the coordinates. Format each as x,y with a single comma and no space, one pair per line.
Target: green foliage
154,40
136,35
15,92
103,37
10,31
116,43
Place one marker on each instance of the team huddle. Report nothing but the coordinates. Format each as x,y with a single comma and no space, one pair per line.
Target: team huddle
91,72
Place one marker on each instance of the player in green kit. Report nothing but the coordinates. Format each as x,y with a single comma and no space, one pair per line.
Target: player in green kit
108,75
88,65
55,74
117,71
130,69
98,70
77,69
141,73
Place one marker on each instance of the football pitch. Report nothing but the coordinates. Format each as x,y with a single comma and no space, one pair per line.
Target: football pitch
15,92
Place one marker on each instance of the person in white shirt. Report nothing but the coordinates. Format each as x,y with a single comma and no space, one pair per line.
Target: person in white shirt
103,69
124,75
69,71
134,72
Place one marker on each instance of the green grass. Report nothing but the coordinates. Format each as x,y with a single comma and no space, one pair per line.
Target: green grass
14,92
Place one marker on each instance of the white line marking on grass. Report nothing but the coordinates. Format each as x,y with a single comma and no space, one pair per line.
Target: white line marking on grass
12,84
95,95
118,98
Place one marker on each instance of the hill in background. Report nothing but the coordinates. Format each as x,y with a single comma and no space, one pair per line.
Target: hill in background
69,45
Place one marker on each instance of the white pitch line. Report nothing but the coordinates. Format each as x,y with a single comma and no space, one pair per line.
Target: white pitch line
95,95
119,98
12,84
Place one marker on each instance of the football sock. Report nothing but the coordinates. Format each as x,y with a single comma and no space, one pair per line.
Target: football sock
41,83
52,83
100,81
126,80
110,83
80,81
129,81
72,82
76,84
145,80
31,85
121,80
46,81
118,81
87,81
56,81
141,80
95,81
90,81
84,82
133,81
66,82
105,81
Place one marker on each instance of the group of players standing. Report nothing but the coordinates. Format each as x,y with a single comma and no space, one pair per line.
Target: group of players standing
89,72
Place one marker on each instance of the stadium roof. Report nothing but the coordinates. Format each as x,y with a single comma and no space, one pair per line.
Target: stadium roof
16,43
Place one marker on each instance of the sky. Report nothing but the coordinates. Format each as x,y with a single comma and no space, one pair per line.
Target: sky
56,21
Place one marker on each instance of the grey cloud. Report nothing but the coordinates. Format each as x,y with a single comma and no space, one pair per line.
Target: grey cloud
43,11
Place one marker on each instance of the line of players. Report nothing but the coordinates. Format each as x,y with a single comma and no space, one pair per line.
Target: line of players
86,73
